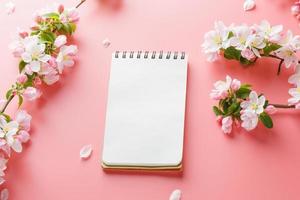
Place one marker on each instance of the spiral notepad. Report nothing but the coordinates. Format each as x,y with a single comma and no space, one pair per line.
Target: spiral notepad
145,111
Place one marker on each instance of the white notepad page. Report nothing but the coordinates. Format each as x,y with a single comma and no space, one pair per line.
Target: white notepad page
145,109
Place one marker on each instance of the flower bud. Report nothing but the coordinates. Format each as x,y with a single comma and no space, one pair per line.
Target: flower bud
295,10
60,8
270,110
23,34
22,78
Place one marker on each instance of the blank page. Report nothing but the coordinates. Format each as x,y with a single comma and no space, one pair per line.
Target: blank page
145,109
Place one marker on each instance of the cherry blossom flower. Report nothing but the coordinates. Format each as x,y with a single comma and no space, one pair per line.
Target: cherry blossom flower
23,119
249,120
294,79
31,93
35,54
227,124
8,130
221,88
255,103
22,78
241,37
270,109
69,15
235,84
295,93
287,53
65,57
290,40
248,54
60,41
215,40
269,32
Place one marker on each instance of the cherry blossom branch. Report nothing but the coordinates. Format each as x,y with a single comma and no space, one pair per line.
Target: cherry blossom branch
242,106
43,53
6,104
282,105
80,3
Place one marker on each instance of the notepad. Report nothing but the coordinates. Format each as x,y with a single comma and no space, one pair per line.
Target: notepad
145,114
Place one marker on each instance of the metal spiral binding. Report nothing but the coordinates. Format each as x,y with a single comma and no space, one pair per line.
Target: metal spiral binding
152,55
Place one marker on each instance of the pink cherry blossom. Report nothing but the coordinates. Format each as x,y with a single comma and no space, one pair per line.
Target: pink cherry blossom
70,15
235,85
31,93
248,54
23,118
23,136
22,78
60,41
65,57
221,88
37,81
270,109
227,124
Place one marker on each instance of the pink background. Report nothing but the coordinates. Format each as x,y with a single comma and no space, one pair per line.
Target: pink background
263,164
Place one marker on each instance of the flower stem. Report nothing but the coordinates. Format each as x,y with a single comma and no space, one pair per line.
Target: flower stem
81,2
282,105
6,104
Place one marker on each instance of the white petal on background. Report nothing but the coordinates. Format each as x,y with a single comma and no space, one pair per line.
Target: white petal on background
10,7
4,194
249,5
176,195
86,151
106,43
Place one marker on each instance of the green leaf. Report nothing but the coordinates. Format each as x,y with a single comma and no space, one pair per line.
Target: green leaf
52,15
68,28
270,48
245,61
266,103
9,93
20,101
22,65
217,111
266,120
230,34
232,53
7,117
47,37
243,92
232,108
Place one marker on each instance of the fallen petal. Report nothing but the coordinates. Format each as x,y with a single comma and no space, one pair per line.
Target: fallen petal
4,194
249,5
86,151
10,7
106,43
176,195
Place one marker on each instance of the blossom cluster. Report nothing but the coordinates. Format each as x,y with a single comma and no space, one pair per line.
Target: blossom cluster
239,105
44,53
248,43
